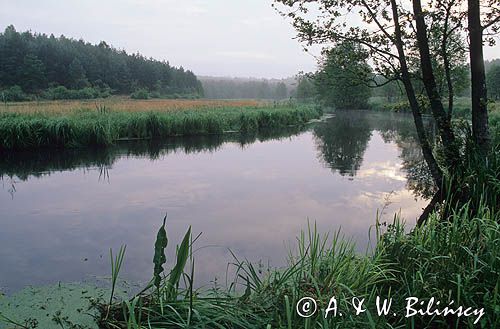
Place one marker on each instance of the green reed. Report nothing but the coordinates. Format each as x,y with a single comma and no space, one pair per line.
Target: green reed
453,259
105,127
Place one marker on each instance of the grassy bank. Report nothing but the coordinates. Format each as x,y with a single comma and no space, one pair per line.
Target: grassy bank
103,125
454,260
457,260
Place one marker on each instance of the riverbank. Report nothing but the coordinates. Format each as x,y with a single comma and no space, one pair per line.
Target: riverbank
103,125
444,275
448,265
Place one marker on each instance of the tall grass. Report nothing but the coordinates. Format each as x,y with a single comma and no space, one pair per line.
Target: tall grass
454,259
124,104
101,128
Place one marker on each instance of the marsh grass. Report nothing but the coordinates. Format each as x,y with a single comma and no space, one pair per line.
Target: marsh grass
105,127
116,265
122,104
457,258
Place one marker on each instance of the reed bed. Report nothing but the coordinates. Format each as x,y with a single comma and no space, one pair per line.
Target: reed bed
104,126
122,104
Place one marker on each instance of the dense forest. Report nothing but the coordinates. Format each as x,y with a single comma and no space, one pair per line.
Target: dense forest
33,64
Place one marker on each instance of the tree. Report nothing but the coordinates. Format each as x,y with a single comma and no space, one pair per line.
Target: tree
305,88
33,73
76,75
493,82
478,77
387,30
341,80
387,37
281,91
35,61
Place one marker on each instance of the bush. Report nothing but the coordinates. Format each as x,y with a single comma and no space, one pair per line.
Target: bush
13,94
61,92
140,94
86,93
155,94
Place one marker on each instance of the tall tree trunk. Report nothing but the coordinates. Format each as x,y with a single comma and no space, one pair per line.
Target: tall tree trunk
442,119
446,60
436,172
480,128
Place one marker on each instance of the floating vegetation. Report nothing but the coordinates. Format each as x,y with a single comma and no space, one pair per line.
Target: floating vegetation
56,306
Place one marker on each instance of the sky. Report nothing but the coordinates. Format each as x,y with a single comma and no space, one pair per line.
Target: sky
244,38
234,38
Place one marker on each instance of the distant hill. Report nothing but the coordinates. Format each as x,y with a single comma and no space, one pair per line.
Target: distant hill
35,62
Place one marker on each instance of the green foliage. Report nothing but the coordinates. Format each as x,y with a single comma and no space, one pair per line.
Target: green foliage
404,106
13,94
33,74
85,128
116,265
140,94
61,92
159,258
37,61
493,82
342,79
76,75
281,91
183,252
454,259
306,90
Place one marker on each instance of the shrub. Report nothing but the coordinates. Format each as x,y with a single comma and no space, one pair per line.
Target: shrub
140,94
61,92
13,94
155,94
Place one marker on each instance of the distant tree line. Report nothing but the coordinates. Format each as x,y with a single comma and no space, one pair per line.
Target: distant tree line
240,88
61,67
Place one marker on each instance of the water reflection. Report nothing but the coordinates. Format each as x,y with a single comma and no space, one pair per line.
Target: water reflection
25,165
250,194
343,141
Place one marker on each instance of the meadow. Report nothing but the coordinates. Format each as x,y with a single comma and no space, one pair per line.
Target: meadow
73,124
123,104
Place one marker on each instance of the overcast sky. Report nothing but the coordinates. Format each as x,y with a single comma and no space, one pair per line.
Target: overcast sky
245,38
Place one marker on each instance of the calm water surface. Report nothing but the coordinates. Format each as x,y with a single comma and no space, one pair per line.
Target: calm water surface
62,211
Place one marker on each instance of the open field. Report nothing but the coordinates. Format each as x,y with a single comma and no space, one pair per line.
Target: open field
77,124
123,104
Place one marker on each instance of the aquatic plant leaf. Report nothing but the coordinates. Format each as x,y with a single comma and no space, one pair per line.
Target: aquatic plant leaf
159,258
182,257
